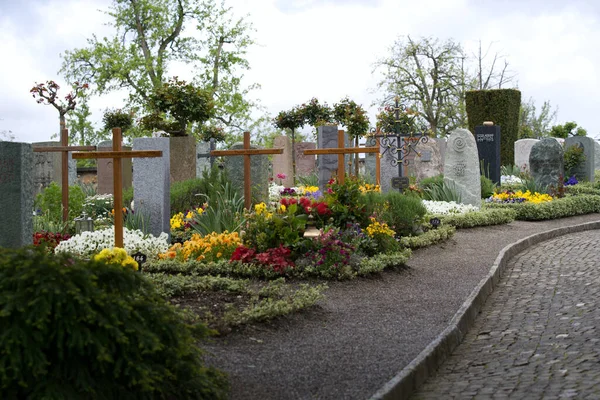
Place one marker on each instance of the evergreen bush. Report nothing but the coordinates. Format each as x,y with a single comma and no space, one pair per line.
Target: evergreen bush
74,329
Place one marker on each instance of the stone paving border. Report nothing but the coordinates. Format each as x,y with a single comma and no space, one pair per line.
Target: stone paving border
431,358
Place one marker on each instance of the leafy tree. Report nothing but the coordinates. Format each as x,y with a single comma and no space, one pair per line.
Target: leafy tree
151,34
386,120
47,93
429,76
536,126
316,114
566,130
488,76
351,115
117,118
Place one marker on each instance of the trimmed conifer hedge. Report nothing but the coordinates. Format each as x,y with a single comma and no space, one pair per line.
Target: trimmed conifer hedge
501,106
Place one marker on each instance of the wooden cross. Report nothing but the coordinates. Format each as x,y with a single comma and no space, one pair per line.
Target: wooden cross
64,148
246,152
341,150
117,154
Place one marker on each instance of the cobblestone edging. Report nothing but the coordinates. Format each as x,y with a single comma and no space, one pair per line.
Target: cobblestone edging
427,362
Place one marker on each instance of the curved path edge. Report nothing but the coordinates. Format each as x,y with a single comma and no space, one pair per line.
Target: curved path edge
411,377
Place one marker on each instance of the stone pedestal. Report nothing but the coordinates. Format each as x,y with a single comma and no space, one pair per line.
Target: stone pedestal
282,163
183,158
105,170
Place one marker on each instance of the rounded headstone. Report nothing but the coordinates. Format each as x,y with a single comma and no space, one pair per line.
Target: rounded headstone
462,166
546,162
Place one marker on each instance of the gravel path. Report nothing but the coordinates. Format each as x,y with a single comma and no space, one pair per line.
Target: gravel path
536,337
366,330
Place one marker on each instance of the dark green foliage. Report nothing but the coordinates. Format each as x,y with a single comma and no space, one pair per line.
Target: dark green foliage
403,212
186,195
502,107
347,203
582,188
73,329
117,118
558,208
50,200
569,128
444,191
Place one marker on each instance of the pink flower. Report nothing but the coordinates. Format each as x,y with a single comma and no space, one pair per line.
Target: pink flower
281,176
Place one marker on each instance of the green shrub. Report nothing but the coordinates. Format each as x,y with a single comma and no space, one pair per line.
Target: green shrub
558,208
487,187
502,106
402,212
573,157
446,191
432,236
347,203
225,212
485,217
380,262
427,183
190,194
50,199
582,188
86,329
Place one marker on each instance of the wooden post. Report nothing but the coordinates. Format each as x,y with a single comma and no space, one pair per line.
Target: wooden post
354,150
246,152
117,154
64,148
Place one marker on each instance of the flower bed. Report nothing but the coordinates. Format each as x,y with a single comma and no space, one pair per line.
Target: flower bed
447,207
557,208
519,197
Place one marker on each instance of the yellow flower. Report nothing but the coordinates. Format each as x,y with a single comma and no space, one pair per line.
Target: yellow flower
282,208
377,228
309,189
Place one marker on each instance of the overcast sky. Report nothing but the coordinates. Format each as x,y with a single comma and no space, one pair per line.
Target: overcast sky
325,49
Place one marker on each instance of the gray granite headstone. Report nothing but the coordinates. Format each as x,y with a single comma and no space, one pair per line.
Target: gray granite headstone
349,158
203,158
371,167
259,173
47,167
522,150
546,162
429,163
152,185
585,171
105,170
16,199
305,165
462,166
389,161
183,158
282,163
596,156
327,163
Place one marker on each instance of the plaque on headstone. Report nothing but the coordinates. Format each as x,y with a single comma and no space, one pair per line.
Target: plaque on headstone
426,156
435,222
488,147
400,182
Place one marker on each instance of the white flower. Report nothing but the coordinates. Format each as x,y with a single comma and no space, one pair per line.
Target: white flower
510,180
87,244
445,207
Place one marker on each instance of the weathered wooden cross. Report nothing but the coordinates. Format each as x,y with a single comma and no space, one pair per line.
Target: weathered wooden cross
246,152
117,155
64,148
341,151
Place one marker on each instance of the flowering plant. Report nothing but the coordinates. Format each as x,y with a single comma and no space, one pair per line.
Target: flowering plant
368,187
117,256
383,235
571,181
211,247
269,227
87,244
278,258
49,239
519,197
330,254
447,207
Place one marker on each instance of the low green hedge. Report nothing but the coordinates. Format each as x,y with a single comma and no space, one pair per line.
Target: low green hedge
582,188
559,208
485,217
432,236
379,262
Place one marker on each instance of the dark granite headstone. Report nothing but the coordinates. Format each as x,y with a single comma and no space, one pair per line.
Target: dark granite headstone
488,147
16,194
585,170
546,162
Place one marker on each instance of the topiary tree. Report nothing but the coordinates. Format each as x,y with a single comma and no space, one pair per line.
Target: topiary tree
351,115
501,106
291,120
566,130
86,329
176,104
